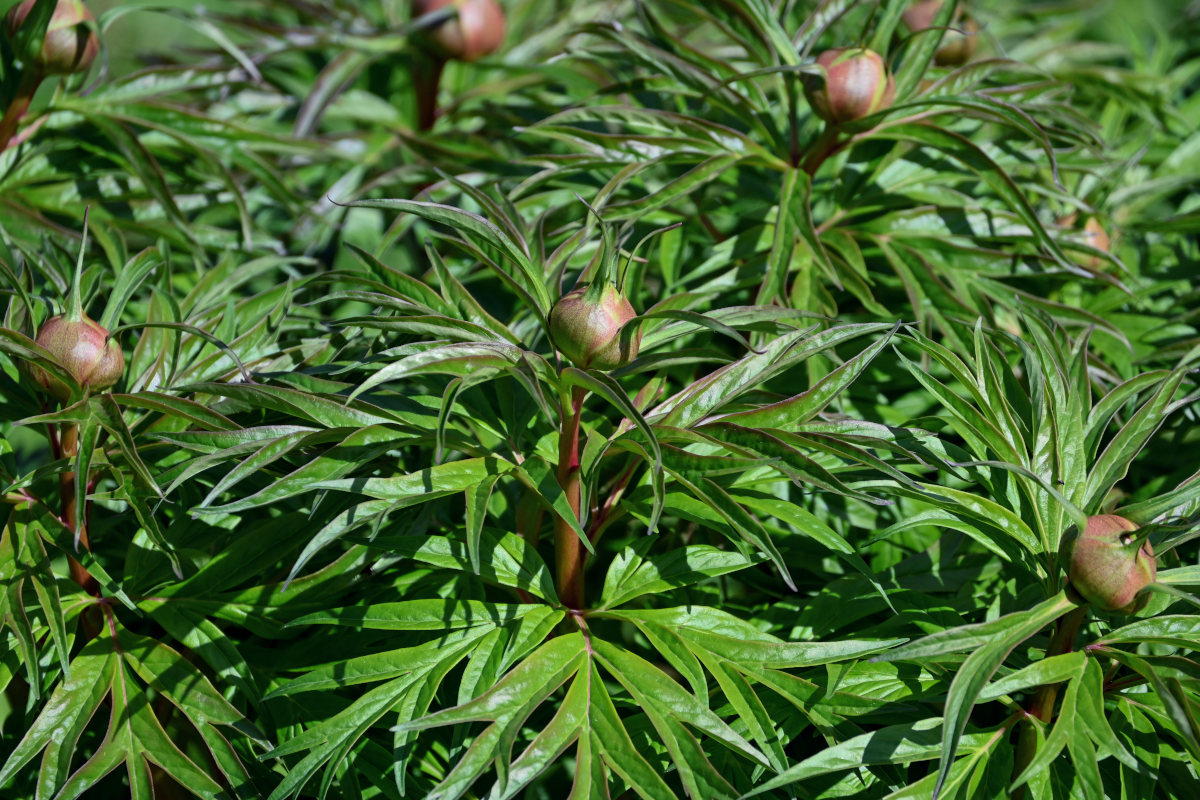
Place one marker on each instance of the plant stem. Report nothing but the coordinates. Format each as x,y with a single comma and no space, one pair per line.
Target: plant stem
568,549
427,77
19,105
1042,707
69,447
793,121
825,146
604,511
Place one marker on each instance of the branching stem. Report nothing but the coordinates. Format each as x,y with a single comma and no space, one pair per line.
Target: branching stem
825,146
1042,707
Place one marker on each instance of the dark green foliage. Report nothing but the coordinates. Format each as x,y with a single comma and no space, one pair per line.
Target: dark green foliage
346,525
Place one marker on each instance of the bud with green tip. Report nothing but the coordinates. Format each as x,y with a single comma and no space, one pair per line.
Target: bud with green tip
78,343
856,84
476,31
1110,566
586,323
70,45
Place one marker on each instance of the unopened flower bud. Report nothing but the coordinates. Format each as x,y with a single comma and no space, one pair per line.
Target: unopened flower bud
1109,567
70,45
1094,236
477,31
587,330
83,348
957,45
856,84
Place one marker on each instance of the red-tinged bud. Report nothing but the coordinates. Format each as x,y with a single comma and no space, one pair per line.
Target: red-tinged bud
857,84
477,31
1109,566
957,45
84,349
587,329
70,45
1094,235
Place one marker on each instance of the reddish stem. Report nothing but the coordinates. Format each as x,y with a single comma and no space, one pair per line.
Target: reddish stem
1042,707
825,146
17,108
568,549
712,229
427,77
69,447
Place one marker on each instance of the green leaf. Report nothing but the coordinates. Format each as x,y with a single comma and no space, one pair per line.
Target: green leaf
169,673
477,497
806,405
424,485
666,700
1054,669
633,574
356,449
483,230
739,520
894,744
982,663
604,386
62,720
542,479
507,559
420,615
1114,462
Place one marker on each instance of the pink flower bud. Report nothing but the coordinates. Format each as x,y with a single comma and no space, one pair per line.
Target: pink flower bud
84,349
588,331
1094,235
857,84
70,45
477,31
957,46
1109,567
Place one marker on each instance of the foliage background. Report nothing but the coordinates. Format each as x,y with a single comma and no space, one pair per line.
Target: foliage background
877,387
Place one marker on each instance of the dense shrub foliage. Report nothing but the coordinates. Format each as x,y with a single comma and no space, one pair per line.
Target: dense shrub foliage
636,398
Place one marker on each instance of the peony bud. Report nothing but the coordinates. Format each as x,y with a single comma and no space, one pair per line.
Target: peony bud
957,46
84,349
1109,567
477,31
70,45
1094,235
587,330
857,84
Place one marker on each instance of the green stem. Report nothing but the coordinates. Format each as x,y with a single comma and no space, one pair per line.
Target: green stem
568,549
1042,707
